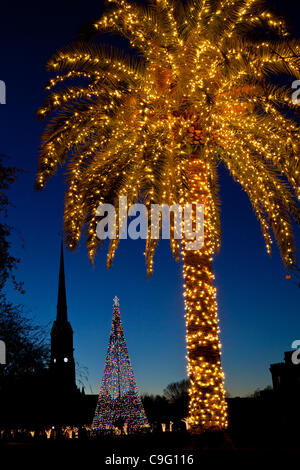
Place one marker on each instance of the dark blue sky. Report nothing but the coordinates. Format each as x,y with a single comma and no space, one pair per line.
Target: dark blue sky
258,307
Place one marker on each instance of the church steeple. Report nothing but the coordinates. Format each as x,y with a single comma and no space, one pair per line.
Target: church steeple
62,357
61,315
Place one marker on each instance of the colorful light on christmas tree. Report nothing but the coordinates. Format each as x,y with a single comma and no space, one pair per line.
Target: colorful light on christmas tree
119,403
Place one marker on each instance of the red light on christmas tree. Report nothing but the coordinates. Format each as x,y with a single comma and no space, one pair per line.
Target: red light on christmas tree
119,403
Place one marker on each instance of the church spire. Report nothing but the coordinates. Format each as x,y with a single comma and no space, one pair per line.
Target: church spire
62,357
62,315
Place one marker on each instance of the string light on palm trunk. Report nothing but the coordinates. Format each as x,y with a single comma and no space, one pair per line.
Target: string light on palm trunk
208,407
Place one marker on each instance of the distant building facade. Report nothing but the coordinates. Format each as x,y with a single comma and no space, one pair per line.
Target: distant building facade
286,385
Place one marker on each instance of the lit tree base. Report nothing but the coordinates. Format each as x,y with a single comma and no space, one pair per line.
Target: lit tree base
200,430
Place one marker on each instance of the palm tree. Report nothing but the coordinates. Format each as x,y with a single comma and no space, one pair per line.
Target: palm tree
195,85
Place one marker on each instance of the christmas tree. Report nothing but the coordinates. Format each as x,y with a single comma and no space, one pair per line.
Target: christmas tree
119,404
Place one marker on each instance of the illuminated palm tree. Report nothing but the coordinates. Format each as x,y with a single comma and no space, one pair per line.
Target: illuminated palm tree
193,88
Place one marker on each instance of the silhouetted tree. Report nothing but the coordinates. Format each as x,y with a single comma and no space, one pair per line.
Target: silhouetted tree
8,263
178,398
263,394
157,408
176,390
23,383
171,406
26,347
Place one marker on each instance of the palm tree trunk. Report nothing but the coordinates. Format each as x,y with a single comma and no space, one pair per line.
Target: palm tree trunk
207,407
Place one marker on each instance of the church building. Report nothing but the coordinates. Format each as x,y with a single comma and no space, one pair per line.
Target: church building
62,366
69,405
